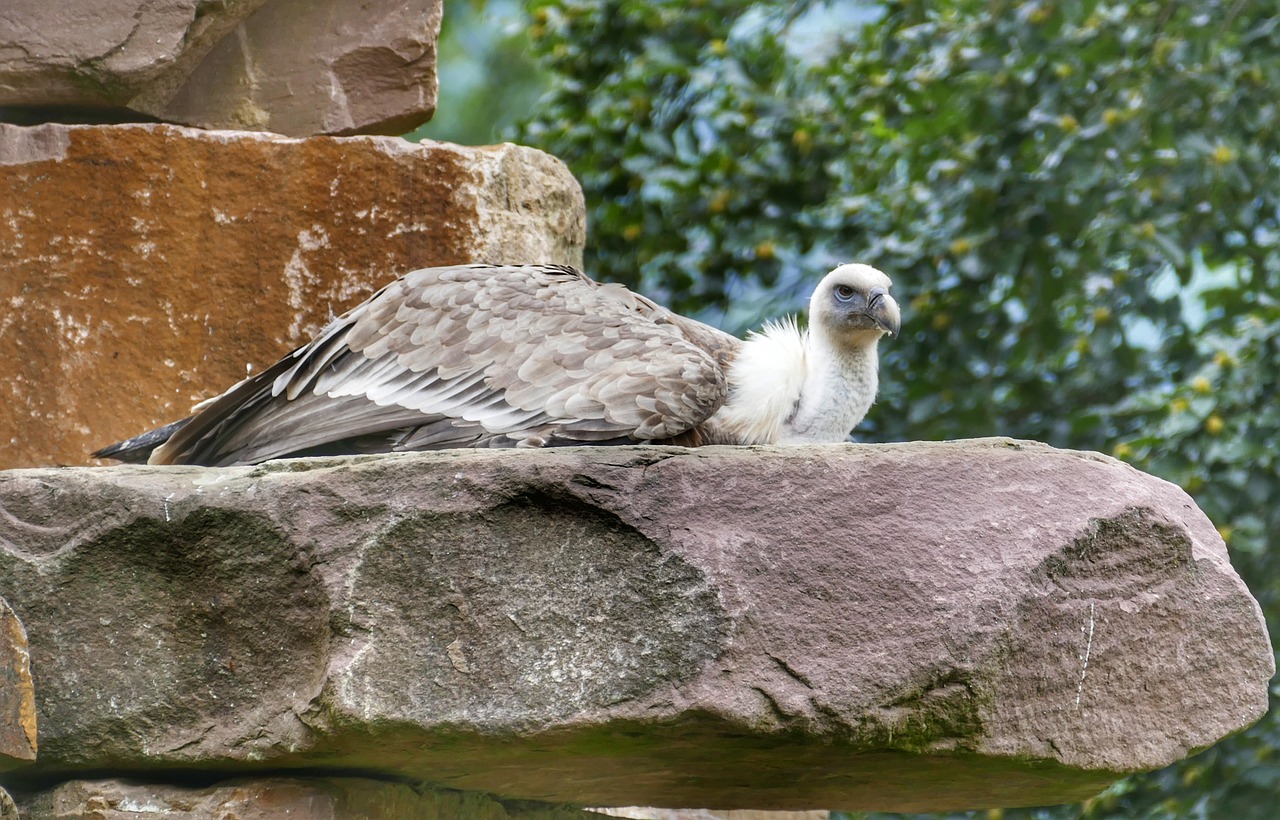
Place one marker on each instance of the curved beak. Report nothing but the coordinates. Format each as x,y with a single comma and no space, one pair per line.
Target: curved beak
883,310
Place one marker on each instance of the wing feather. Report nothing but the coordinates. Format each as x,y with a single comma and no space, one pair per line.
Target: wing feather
471,356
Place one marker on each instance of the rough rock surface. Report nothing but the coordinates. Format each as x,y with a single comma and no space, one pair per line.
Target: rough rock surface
174,258
17,699
276,798
367,67
100,55
912,626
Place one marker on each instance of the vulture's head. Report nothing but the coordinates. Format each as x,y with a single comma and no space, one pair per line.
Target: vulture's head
854,301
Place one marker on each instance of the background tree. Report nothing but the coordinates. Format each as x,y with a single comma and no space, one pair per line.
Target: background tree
1078,201
489,81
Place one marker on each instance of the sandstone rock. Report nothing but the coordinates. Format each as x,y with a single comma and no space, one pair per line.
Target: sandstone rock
99,55
275,798
909,627
366,68
143,268
17,700
296,67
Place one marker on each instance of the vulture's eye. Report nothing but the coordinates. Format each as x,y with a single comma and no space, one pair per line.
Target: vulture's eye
844,293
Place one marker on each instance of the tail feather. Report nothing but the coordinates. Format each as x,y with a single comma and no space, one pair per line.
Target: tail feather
138,449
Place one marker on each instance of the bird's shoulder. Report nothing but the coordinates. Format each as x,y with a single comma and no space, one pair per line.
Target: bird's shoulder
471,315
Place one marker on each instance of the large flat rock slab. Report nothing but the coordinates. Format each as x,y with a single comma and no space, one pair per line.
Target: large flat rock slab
294,67
904,627
175,258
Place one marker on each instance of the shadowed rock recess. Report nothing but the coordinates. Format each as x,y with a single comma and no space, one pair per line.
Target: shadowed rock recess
903,627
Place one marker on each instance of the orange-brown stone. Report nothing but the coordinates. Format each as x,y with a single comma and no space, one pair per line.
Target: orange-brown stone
145,267
17,698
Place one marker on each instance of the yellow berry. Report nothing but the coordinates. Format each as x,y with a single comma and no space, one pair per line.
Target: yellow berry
1201,385
961,246
719,48
632,232
1179,405
1122,451
1214,424
1068,123
766,250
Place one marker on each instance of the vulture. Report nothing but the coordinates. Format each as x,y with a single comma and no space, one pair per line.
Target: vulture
541,356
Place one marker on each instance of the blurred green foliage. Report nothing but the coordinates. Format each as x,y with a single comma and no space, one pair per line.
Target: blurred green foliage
488,81
1078,202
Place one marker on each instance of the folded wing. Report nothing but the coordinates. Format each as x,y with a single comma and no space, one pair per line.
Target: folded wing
472,356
